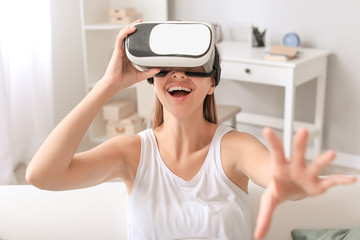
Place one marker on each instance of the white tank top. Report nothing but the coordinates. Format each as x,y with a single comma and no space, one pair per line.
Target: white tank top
164,206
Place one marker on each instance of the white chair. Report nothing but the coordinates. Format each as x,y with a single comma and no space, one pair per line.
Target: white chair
228,112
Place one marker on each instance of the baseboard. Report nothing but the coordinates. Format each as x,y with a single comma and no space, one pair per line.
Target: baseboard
342,159
347,160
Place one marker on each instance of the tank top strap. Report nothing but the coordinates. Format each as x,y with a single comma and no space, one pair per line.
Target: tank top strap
221,131
146,167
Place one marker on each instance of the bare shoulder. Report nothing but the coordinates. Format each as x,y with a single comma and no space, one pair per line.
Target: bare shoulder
126,143
119,146
239,141
241,155
239,147
124,148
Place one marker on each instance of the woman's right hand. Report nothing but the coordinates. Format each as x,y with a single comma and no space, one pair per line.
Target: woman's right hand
120,72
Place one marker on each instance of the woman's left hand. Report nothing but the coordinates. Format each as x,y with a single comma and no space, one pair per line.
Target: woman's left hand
292,179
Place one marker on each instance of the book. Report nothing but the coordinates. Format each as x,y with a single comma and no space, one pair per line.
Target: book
277,57
281,53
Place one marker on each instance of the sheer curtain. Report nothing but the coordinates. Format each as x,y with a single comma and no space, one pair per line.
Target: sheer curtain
26,98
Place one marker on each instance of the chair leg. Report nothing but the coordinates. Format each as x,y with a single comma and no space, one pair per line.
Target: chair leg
233,122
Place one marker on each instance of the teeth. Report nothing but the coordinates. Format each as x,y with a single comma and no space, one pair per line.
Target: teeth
178,88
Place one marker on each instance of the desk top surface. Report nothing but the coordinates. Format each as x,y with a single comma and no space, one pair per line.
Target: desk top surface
243,52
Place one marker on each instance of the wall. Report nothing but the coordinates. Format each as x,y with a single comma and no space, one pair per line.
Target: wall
68,73
327,24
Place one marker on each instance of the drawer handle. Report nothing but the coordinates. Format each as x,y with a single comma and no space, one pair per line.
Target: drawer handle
247,70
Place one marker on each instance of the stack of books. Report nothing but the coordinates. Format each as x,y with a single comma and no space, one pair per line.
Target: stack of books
281,53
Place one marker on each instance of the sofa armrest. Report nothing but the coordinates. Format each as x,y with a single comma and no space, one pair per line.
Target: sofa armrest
92,213
100,212
339,207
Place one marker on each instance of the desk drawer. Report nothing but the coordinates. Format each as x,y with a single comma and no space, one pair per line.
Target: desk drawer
254,73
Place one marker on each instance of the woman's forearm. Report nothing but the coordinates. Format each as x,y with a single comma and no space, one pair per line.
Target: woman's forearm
56,153
53,159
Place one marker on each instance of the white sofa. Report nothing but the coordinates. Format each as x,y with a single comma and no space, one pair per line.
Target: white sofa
27,213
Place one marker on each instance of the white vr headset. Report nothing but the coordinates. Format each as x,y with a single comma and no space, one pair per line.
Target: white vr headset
174,44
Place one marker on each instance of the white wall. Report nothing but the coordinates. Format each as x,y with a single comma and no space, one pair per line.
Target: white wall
330,24
327,24
68,73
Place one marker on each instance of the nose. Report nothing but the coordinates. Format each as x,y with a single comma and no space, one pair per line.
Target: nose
178,74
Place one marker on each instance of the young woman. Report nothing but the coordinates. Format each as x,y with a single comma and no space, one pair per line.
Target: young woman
186,177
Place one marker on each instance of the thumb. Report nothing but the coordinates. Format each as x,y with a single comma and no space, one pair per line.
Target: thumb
149,73
266,209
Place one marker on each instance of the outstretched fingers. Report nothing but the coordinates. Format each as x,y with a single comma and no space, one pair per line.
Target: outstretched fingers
320,162
275,145
324,183
267,207
334,180
299,147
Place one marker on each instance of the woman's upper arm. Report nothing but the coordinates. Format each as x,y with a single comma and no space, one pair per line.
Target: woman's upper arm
250,157
118,157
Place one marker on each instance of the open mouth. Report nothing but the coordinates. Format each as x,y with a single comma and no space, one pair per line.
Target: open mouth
178,91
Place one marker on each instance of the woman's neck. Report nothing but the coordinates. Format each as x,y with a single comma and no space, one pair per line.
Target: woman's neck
186,134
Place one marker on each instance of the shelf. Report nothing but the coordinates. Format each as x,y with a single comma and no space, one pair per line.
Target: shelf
104,26
98,41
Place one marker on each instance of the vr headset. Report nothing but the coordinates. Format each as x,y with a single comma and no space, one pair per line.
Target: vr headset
172,45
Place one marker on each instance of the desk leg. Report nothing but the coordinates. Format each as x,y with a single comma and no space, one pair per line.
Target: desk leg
319,111
289,106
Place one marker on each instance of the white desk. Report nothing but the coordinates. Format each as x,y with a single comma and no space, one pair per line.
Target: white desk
242,63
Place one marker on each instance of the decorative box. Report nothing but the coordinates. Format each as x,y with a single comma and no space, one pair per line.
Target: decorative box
117,110
121,20
122,15
129,125
121,12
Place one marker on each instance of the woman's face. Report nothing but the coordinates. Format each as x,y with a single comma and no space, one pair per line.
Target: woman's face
182,95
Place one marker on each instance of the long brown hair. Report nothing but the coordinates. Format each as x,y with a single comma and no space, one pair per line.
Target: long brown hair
209,111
